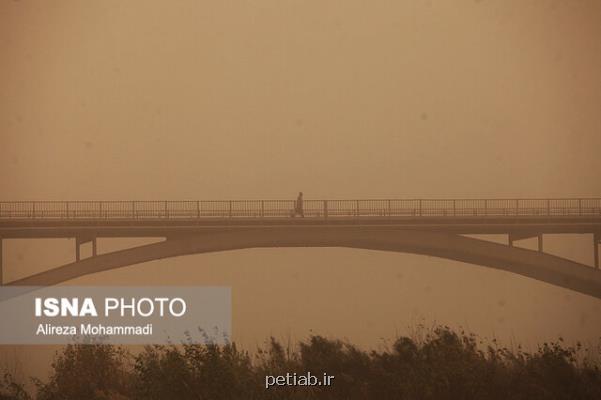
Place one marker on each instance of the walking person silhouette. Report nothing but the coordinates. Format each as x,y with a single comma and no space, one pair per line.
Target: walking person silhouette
298,206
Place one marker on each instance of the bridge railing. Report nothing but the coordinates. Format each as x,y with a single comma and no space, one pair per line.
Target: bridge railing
285,208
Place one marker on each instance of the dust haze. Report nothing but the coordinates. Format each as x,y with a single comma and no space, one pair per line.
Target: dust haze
157,100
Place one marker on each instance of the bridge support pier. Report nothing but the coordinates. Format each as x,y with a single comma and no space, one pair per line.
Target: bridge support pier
79,241
519,236
596,242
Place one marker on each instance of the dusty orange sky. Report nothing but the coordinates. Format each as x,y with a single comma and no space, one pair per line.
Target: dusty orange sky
340,99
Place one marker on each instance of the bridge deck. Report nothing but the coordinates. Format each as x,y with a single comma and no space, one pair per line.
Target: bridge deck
285,208
164,218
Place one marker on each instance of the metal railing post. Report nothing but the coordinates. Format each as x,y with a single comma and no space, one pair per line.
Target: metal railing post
230,209
197,208
325,209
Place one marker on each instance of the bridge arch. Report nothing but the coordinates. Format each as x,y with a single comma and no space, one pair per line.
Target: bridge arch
533,264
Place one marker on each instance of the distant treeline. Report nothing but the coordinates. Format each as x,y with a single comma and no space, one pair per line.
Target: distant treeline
443,364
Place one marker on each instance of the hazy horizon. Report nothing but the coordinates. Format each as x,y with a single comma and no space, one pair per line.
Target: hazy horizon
154,100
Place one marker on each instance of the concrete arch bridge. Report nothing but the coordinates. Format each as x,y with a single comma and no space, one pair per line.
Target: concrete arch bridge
434,227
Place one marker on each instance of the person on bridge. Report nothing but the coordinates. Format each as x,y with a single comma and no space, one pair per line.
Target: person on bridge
298,206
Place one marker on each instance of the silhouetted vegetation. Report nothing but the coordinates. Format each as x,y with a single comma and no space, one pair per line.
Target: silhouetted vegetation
12,390
442,365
